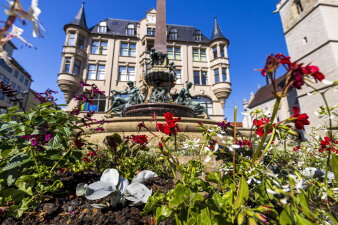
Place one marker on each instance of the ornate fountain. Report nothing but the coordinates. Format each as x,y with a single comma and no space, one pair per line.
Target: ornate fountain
160,79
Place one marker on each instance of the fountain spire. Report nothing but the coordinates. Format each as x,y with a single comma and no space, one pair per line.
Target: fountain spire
161,27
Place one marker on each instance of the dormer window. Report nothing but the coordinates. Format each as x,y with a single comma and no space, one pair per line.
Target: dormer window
130,29
102,27
299,6
150,31
198,36
173,34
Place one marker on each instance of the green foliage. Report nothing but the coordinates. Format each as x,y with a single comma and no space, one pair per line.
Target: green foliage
35,145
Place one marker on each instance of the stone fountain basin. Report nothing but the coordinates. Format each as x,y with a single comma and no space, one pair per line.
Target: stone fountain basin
148,109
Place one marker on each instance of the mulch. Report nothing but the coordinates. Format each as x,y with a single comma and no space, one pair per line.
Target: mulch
66,208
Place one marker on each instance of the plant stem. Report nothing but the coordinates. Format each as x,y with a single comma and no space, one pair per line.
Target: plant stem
268,145
62,157
267,128
171,156
234,149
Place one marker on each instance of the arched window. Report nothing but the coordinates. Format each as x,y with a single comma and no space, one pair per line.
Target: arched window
102,27
207,103
198,36
98,105
130,29
173,34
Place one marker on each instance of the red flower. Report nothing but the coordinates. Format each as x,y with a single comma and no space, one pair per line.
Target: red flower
160,145
140,139
170,127
301,119
296,149
313,71
260,125
327,144
273,62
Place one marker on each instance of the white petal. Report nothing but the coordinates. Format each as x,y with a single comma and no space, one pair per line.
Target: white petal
99,190
327,82
271,191
144,176
207,159
111,176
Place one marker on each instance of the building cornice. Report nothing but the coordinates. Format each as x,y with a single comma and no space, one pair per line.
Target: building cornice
314,50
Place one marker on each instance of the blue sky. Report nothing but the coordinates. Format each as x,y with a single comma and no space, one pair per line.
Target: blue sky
252,28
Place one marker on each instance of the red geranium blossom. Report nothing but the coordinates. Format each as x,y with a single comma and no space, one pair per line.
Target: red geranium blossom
302,119
327,144
260,125
140,139
170,127
296,149
314,71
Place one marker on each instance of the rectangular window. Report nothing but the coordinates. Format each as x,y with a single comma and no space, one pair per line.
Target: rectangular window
222,50
178,77
197,77
299,6
66,68
102,29
13,85
128,50
4,79
199,55
21,78
214,50
150,31
16,73
127,73
101,71
18,89
96,72
216,71
71,40
5,66
224,74
170,53
174,53
80,42
177,53
77,67
26,82
92,72
204,77
99,48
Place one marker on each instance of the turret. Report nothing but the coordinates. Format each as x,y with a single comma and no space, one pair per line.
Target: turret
74,55
219,64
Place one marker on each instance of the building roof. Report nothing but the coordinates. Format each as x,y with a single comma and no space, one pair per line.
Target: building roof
265,93
217,32
118,27
80,18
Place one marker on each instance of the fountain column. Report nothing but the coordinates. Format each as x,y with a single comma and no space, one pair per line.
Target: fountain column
161,27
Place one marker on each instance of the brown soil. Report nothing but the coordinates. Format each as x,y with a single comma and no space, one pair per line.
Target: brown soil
66,208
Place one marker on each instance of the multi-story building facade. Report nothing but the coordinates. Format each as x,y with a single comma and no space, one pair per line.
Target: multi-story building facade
115,51
16,76
311,34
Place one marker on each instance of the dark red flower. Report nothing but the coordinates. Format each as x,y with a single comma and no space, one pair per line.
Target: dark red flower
301,119
160,145
327,144
260,125
140,139
313,71
273,62
78,143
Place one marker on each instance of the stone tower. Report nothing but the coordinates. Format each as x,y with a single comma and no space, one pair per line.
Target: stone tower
311,34
73,54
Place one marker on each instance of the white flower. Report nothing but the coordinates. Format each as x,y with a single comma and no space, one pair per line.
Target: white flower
284,201
271,191
16,32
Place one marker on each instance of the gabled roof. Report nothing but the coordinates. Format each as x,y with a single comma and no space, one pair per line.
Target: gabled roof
80,18
265,93
217,33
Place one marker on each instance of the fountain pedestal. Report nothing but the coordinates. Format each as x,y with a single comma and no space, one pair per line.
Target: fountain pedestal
148,109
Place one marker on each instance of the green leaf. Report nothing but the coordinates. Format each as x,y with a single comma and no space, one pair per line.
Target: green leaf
153,202
331,217
252,221
334,166
305,207
214,177
302,221
25,184
204,217
242,193
178,197
13,167
284,218
162,213
240,218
